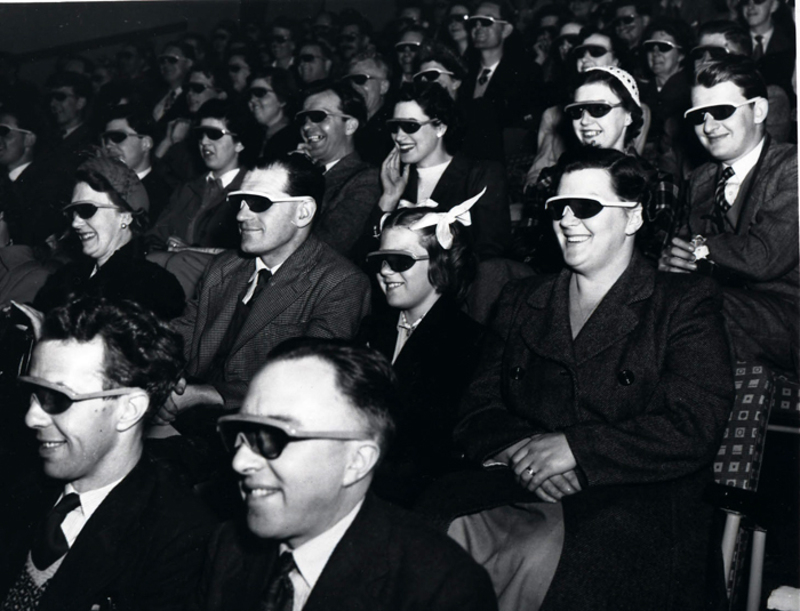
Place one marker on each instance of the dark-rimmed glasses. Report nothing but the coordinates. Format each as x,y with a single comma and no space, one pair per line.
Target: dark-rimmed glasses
308,58
431,75
407,47
84,210
593,50
582,206
317,116
117,136
359,79
720,112
268,437
707,51
168,59
56,398
397,260
409,126
595,109
624,20
662,46
212,133
256,202
197,88
260,92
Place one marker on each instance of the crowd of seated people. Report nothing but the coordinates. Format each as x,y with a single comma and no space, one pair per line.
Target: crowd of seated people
298,267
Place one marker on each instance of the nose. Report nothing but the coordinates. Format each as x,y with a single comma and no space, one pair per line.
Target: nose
244,212
36,417
710,124
77,221
247,461
568,218
385,269
585,118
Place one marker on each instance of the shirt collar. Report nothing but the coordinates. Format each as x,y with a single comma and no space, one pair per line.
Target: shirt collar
766,36
67,132
92,499
491,68
226,179
404,324
261,265
144,173
313,555
14,174
743,166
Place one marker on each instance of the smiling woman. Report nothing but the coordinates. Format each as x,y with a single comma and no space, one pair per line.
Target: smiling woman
108,212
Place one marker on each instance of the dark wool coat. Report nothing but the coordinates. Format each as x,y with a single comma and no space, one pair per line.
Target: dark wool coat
642,395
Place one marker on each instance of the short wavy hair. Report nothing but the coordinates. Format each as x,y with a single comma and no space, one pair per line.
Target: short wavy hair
435,102
619,90
450,271
739,70
140,349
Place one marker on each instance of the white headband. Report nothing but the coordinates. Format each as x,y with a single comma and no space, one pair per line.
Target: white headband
443,220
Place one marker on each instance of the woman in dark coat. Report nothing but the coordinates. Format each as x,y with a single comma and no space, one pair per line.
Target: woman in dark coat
603,393
432,344
108,212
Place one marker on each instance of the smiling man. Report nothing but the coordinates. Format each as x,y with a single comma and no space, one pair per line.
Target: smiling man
285,283
115,532
313,427
331,117
370,75
743,225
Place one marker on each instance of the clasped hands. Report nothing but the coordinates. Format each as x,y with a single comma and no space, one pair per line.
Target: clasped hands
543,464
678,257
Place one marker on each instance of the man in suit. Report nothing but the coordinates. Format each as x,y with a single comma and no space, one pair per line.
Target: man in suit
306,442
501,88
69,97
111,529
128,137
773,41
331,116
743,226
371,76
285,283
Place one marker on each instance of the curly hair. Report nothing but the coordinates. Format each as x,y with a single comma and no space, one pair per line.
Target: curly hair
450,271
141,350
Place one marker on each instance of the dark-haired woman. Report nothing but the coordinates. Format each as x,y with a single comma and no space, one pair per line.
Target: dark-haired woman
272,97
424,267
109,214
426,169
601,396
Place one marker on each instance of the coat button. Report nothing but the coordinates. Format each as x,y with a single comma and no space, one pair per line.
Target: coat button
626,377
517,373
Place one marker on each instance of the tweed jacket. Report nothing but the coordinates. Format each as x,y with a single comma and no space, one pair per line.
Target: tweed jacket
142,548
387,560
316,292
761,254
352,190
215,227
642,395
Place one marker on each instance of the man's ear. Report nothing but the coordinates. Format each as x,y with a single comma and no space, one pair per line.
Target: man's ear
132,409
363,459
147,143
305,212
351,126
30,140
760,110
635,220
507,29
80,103
385,86
239,147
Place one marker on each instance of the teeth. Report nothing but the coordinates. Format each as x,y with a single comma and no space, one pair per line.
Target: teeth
260,492
316,138
577,239
51,444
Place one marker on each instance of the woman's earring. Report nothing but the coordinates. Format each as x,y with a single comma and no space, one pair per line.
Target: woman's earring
124,225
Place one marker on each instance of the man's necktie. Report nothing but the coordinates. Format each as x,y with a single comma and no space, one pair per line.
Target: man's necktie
50,543
240,314
721,205
280,594
170,100
758,50
484,77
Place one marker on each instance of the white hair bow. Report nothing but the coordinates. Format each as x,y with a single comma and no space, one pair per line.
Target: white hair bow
425,203
443,220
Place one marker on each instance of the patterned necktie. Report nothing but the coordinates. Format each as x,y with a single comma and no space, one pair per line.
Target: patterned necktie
719,192
50,543
758,50
280,594
484,77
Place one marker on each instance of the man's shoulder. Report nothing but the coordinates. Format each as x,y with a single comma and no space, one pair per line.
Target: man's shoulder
329,261
351,167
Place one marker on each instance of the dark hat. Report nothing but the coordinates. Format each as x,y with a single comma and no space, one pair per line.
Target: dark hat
122,179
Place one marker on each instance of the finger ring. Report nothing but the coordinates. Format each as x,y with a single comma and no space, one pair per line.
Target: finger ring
530,470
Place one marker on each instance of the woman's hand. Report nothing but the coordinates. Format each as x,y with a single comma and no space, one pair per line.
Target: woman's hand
541,458
677,257
35,316
174,243
177,130
393,181
557,487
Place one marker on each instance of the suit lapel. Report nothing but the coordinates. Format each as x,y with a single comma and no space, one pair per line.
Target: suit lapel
615,317
453,181
750,204
546,330
335,178
704,187
290,281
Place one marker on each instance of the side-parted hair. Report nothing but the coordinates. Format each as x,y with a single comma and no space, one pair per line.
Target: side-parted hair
305,178
350,101
733,32
637,116
450,271
736,69
435,51
140,349
137,117
630,180
363,375
435,102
